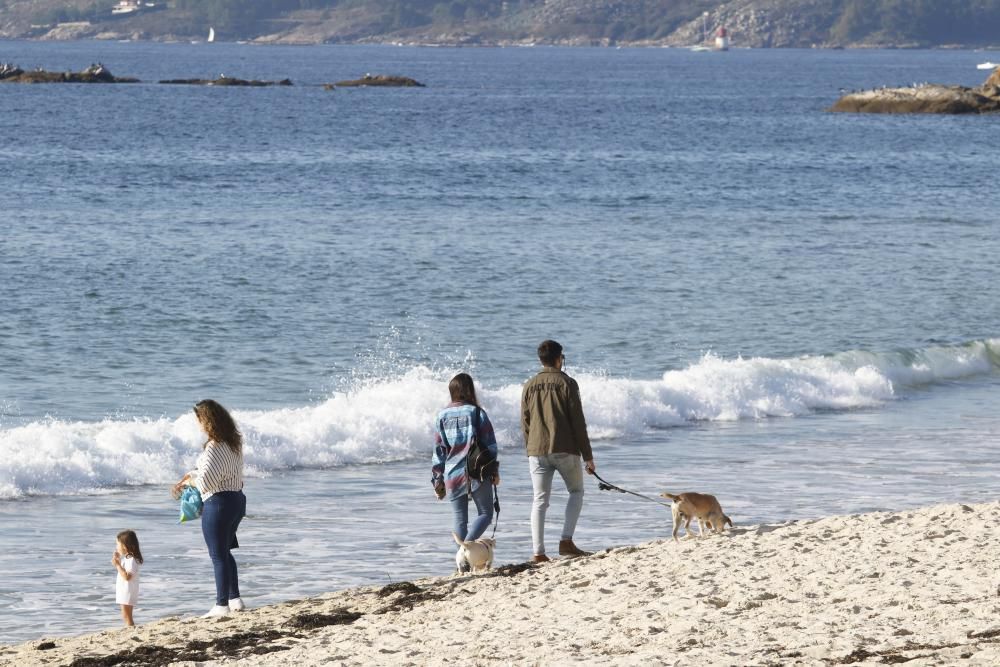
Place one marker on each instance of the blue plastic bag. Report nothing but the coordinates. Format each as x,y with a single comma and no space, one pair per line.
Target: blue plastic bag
191,504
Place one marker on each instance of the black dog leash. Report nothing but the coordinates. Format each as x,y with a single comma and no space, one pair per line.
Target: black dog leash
607,486
496,508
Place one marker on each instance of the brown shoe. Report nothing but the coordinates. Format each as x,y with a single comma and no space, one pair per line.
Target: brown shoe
539,558
567,548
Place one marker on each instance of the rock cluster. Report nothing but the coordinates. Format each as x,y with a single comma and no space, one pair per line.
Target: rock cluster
925,98
994,79
378,80
96,73
224,80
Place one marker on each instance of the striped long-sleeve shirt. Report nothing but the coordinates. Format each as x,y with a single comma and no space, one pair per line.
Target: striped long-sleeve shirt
219,468
452,433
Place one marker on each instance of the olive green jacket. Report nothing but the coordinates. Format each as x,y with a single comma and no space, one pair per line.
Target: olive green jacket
552,416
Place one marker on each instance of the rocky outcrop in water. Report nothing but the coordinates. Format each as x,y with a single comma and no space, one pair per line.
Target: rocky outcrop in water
96,73
383,80
993,81
925,98
224,80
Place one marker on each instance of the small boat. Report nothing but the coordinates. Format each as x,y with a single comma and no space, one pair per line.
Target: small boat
703,46
987,66
211,35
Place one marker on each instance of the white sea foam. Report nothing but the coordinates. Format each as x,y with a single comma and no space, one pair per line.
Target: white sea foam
391,419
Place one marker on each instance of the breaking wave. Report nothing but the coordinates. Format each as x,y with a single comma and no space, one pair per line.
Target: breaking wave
389,419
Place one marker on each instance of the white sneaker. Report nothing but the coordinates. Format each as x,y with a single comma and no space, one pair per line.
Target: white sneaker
217,611
236,604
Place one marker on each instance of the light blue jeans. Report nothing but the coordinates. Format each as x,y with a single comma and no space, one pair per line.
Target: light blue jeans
482,495
542,468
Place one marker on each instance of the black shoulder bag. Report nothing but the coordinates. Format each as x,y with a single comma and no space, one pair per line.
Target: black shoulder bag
480,464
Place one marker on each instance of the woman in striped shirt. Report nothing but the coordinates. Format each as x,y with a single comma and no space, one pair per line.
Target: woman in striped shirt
219,478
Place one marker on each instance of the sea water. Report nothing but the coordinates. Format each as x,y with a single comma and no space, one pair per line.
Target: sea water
788,308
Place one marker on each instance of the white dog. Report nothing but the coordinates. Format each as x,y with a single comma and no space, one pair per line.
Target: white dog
478,554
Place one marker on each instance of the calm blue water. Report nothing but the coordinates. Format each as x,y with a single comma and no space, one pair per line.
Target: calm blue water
760,299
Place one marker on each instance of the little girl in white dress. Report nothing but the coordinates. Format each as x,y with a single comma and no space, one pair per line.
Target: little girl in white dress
127,559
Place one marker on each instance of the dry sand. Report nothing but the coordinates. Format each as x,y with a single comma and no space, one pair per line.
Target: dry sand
917,587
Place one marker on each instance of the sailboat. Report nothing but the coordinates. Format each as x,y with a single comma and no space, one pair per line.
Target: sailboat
704,35
211,35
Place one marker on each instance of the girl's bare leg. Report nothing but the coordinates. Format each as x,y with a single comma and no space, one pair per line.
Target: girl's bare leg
127,614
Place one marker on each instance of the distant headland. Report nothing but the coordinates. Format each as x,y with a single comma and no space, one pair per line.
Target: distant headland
683,23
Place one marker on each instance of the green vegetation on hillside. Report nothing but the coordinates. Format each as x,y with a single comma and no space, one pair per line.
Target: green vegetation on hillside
239,16
70,13
633,21
926,21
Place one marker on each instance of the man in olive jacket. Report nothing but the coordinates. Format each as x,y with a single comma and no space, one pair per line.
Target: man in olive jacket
555,433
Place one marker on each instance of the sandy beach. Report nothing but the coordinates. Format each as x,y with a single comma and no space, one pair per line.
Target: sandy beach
915,586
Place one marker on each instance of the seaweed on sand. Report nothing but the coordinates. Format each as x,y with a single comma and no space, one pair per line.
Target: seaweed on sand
412,595
407,587
513,569
244,643
313,621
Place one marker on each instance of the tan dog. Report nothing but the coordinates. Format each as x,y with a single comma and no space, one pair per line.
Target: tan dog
479,553
701,506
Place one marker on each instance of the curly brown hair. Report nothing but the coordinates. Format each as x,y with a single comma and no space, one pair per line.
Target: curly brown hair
218,424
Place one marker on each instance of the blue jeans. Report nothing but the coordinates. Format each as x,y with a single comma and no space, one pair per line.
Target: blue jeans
220,518
482,495
542,469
